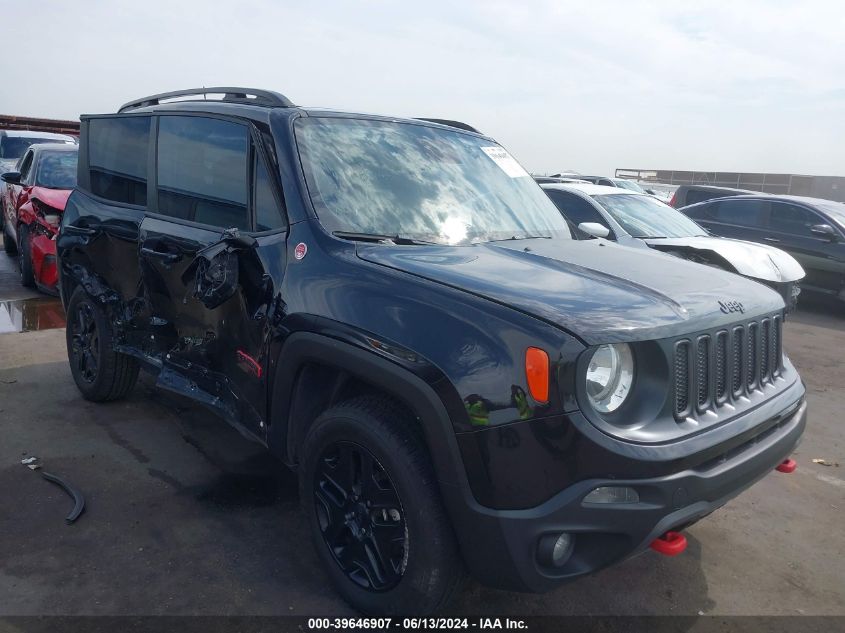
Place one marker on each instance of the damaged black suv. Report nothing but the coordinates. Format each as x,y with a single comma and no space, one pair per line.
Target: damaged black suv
396,309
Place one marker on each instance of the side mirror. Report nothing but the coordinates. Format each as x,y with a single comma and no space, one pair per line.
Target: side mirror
11,177
650,192
594,228
822,230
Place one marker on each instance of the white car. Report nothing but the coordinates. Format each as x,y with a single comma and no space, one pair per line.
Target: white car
637,219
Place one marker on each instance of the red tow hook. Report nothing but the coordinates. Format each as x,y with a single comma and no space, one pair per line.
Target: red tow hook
787,466
670,544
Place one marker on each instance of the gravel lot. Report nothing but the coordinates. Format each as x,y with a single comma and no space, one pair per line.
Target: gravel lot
184,516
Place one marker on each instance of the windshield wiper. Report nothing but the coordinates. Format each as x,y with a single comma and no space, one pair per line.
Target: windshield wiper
377,237
522,237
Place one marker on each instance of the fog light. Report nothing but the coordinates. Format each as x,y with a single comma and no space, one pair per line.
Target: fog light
613,494
555,549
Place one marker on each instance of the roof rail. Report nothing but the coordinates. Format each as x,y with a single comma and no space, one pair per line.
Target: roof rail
252,96
450,123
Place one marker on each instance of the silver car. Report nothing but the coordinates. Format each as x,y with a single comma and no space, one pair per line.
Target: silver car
640,220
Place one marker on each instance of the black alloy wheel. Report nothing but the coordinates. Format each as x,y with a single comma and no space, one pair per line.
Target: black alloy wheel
360,516
85,342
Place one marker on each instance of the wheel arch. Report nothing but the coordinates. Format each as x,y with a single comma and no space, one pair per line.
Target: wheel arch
315,371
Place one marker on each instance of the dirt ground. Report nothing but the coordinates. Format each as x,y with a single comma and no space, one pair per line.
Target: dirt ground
185,517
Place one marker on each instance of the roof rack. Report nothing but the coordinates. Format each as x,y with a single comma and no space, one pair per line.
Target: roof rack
253,96
450,123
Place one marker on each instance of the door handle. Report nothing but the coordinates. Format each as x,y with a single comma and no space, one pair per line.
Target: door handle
168,258
773,240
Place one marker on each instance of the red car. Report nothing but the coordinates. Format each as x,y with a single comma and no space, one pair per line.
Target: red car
33,203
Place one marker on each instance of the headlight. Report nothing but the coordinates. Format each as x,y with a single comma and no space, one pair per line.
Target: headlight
609,377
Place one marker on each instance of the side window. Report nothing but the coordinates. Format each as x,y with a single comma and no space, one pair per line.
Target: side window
117,158
698,195
576,209
738,212
789,218
26,167
202,170
268,216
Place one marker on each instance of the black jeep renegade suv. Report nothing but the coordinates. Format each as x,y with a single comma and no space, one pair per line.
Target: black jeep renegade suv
396,309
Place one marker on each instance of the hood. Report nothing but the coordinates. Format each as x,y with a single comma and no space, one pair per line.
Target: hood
748,258
56,198
595,289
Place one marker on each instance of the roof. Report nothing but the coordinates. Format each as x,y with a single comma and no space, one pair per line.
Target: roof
777,196
33,134
55,147
592,190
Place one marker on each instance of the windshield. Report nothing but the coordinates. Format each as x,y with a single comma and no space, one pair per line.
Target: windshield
12,147
57,170
629,184
646,217
420,182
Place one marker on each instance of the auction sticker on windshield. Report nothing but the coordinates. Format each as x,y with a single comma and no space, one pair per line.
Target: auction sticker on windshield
505,161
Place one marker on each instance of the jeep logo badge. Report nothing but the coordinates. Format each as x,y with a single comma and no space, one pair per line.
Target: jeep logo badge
731,306
300,250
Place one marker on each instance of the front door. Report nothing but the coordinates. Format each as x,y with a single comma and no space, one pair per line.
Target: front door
823,259
206,278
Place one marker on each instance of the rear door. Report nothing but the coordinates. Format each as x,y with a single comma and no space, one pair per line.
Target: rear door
16,195
739,218
822,259
214,219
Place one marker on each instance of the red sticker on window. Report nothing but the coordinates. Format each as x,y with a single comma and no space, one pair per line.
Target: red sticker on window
300,250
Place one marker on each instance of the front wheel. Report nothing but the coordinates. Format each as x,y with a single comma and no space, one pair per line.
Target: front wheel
373,506
100,373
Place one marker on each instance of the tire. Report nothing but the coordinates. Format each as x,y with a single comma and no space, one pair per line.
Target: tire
424,568
8,243
100,373
25,257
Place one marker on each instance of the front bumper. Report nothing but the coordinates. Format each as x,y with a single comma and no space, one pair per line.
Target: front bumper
500,546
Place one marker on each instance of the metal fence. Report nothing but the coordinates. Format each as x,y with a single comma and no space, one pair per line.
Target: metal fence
828,187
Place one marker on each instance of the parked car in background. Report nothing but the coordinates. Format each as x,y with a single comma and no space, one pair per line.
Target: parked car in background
691,194
13,145
32,208
812,230
625,183
552,179
635,219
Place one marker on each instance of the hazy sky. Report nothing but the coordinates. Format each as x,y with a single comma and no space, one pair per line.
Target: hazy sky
591,86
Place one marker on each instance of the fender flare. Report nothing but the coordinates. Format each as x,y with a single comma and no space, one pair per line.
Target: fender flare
301,348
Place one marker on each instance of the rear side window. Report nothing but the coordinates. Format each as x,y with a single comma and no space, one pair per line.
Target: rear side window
117,158
697,195
789,218
576,209
738,212
267,213
203,170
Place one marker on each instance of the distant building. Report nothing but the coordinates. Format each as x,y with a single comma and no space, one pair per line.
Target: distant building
828,187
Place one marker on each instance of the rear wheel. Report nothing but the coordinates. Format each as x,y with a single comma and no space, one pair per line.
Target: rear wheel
372,502
100,373
25,257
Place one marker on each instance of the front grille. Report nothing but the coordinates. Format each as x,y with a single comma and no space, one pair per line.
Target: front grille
682,376
728,364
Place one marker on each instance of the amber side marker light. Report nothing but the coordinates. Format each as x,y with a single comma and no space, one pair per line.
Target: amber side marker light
537,373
